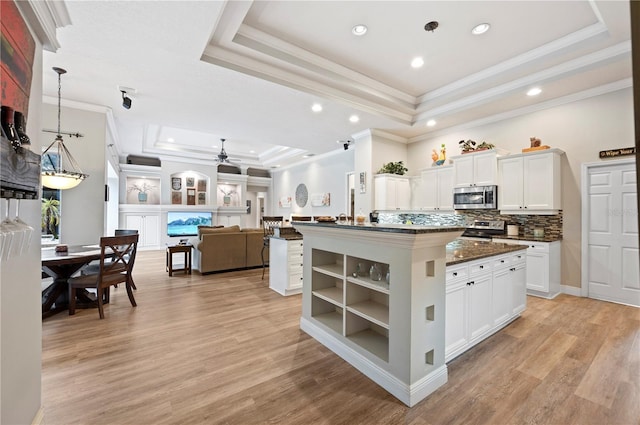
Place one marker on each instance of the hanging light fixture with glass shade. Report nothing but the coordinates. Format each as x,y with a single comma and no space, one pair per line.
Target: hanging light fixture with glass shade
54,176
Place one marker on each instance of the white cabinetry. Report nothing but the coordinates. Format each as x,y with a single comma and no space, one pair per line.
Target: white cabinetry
482,297
475,169
392,192
148,227
285,266
436,189
530,183
543,267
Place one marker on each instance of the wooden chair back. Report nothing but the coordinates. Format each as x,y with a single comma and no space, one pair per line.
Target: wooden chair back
270,222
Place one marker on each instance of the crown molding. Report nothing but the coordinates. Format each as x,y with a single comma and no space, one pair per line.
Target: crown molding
307,161
575,97
45,17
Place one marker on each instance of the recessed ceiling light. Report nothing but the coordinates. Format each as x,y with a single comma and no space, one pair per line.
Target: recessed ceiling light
417,62
316,107
431,123
252,151
170,140
480,29
354,118
359,29
534,91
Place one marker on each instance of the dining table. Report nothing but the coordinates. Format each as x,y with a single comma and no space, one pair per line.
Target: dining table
62,265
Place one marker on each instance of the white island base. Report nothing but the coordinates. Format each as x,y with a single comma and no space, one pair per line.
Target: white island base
393,333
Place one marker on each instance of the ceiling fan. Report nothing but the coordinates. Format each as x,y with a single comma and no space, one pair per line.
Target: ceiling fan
223,158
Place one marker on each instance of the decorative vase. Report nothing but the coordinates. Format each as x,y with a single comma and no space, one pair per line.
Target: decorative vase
227,200
142,197
374,273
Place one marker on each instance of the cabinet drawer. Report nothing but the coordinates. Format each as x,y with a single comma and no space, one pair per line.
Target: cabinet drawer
295,246
455,273
295,268
482,267
521,257
295,257
537,247
295,281
501,262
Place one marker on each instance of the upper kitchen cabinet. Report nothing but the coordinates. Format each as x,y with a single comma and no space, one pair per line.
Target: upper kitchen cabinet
530,183
436,189
475,169
392,192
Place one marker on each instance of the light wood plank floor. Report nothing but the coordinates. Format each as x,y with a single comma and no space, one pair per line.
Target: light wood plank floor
224,349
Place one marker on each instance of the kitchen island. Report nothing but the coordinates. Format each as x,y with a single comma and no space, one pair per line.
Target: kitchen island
394,331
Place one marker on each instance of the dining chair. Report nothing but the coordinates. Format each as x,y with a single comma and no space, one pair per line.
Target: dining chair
92,267
117,257
268,224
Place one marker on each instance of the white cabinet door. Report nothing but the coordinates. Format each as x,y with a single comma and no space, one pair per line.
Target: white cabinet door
463,171
403,193
455,335
445,189
539,182
537,271
392,193
480,306
518,288
502,296
429,190
485,169
148,227
151,230
510,187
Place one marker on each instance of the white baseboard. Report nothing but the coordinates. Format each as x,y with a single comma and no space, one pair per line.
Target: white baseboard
571,290
408,394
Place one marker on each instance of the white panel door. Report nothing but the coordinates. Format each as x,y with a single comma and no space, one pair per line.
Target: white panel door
613,269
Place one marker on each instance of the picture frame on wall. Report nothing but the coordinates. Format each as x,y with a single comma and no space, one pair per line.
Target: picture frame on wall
202,185
284,201
202,198
176,198
176,183
363,182
191,196
191,181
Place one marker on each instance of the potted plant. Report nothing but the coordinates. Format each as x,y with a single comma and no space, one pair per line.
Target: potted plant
226,199
467,145
393,168
485,146
50,215
142,190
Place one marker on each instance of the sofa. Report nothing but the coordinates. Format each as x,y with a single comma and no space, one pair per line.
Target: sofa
228,248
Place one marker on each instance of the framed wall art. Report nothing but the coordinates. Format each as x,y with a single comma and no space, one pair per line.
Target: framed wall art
176,183
143,190
191,181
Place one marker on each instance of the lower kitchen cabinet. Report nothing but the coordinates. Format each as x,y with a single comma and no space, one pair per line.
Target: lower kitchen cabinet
285,266
148,227
543,267
481,298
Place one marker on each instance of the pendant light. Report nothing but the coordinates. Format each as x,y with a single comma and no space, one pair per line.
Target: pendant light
55,176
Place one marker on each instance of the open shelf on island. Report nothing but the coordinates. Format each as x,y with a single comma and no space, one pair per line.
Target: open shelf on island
367,334
381,285
333,295
372,311
329,263
330,269
332,320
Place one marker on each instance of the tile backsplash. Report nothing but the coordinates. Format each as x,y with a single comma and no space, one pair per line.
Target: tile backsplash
552,224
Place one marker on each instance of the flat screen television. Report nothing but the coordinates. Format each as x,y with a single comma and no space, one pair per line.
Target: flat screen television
185,223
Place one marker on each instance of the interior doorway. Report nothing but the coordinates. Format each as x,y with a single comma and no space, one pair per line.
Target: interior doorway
610,254
351,194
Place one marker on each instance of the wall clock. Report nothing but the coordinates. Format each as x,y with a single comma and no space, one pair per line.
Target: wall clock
301,195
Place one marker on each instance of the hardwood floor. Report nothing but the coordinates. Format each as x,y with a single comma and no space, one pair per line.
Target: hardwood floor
225,349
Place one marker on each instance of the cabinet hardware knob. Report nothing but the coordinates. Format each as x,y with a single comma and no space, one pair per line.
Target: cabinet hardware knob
481,267
468,283
455,273
472,282
502,261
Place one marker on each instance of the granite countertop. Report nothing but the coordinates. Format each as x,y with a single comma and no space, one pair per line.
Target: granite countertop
286,233
530,237
288,237
378,227
462,250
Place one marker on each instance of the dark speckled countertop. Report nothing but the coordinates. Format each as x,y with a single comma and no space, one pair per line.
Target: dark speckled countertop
462,250
531,238
379,227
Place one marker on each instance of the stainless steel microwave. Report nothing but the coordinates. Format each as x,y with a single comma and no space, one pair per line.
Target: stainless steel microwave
475,197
